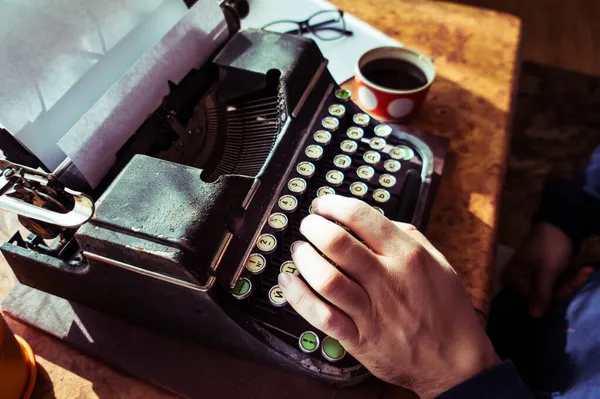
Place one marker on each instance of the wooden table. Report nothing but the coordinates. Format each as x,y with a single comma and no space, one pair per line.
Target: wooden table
477,56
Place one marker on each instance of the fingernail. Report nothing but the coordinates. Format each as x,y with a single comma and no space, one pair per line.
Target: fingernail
315,204
295,245
284,279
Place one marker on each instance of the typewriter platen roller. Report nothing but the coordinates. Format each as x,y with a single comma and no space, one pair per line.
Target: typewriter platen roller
196,219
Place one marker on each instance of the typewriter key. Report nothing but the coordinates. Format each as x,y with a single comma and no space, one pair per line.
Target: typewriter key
379,210
305,169
330,123
310,209
278,221
242,289
355,133
349,146
358,188
372,157
342,161
332,350
308,342
387,180
322,137
314,151
361,119
409,154
381,195
402,152
297,185
365,172
288,203
391,165
334,177
267,243
337,110
343,95
325,191
276,296
256,263
383,130
289,267
377,143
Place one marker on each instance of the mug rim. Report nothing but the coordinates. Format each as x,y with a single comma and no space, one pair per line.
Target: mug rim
394,49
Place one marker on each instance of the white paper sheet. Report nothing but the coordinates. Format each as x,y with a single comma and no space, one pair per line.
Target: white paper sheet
343,54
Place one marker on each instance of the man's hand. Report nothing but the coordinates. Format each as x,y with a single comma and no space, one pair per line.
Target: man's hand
395,303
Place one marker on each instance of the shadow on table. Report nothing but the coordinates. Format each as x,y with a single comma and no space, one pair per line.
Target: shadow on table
44,389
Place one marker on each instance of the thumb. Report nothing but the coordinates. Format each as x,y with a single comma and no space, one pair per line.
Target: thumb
541,294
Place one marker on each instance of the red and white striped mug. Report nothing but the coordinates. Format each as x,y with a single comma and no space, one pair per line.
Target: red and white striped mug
392,82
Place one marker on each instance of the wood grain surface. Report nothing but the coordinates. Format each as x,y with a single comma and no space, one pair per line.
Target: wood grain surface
477,56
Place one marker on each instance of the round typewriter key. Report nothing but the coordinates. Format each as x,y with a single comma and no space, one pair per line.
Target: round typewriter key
297,185
276,296
256,264
267,243
342,161
377,143
358,188
383,130
381,195
387,180
408,153
310,209
330,123
289,267
361,119
355,133
391,165
365,172
378,209
372,157
349,146
308,342
242,289
305,169
322,137
334,177
278,221
337,110
343,95
288,203
332,350
398,152
325,191
314,151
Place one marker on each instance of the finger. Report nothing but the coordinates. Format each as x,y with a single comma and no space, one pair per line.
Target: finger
329,282
569,287
339,246
322,316
543,287
377,231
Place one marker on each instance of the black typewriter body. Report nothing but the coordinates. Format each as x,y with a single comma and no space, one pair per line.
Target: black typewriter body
195,221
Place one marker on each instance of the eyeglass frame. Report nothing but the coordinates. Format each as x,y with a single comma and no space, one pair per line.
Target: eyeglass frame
304,27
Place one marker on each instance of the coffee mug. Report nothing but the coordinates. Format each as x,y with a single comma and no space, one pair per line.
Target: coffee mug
392,82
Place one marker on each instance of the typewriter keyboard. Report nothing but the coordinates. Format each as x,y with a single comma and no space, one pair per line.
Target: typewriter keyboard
350,154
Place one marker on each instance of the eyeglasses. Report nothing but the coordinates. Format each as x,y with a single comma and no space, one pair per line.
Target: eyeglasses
325,25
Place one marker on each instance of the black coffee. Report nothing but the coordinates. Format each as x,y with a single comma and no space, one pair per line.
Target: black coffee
393,73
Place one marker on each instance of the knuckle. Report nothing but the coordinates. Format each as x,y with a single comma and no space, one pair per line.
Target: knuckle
338,243
331,285
415,257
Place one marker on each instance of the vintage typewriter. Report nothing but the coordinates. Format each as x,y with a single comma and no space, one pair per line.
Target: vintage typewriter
191,226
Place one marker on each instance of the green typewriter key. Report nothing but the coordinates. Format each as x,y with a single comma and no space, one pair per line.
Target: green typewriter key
256,264
381,195
288,203
377,143
337,110
378,209
314,151
349,146
289,267
332,350
330,123
308,342
387,180
391,165
343,95
305,169
342,161
297,185
278,221
334,177
402,152
358,188
322,137
276,296
325,191
242,289
361,119
372,157
365,172
383,130
355,133
266,243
